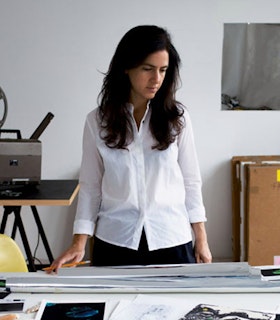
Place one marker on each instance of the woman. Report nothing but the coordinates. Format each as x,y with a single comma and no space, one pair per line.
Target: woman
140,186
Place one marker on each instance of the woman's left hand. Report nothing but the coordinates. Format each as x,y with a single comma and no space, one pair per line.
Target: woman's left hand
202,252
201,247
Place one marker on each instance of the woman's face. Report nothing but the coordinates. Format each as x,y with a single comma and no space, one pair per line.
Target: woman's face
147,78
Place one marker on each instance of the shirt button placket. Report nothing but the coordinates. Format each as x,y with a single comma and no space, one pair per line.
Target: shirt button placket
140,163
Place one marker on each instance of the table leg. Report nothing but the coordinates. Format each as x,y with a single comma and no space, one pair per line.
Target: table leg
14,230
7,211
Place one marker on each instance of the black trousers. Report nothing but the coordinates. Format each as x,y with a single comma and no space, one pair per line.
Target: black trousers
106,254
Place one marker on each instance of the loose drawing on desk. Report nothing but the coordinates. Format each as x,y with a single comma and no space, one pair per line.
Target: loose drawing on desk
71,310
213,312
144,312
151,308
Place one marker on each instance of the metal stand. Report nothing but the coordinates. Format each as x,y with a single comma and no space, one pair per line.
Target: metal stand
19,224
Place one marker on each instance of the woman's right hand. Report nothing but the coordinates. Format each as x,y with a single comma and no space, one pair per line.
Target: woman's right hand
75,253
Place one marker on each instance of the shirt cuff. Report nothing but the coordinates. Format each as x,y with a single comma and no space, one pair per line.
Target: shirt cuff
83,227
197,215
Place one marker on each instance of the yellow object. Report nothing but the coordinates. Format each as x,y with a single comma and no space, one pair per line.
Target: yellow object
11,257
278,175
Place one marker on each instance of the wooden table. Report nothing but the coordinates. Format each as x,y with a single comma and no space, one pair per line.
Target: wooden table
47,193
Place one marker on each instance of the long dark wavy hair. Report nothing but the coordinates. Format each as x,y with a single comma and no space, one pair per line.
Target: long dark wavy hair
166,117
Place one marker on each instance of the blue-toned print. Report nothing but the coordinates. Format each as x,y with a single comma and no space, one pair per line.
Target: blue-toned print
81,312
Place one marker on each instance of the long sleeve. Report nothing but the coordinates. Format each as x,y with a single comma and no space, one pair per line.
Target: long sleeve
90,180
189,165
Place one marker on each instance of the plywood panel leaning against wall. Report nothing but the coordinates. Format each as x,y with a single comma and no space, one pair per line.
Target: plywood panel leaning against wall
263,214
239,200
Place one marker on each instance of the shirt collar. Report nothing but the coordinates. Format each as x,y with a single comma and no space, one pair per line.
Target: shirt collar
130,107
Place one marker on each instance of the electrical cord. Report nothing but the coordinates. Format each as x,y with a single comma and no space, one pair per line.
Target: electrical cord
3,97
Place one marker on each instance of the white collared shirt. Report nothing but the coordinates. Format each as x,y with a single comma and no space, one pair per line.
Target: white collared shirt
124,191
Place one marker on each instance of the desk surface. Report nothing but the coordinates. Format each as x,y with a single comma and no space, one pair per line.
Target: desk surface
47,193
255,301
266,302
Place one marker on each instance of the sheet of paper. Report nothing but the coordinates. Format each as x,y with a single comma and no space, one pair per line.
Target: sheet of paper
206,311
65,310
151,308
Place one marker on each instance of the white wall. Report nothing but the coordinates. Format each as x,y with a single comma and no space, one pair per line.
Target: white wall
52,54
